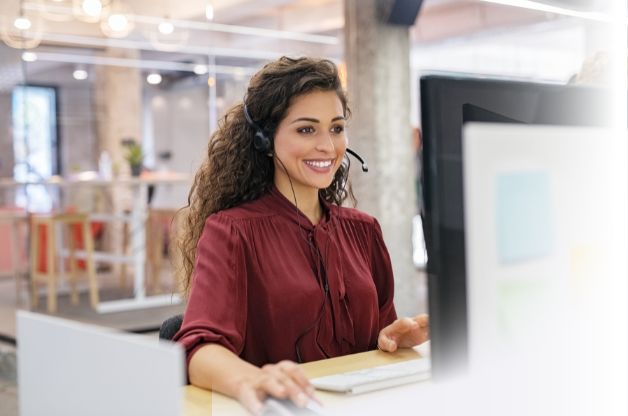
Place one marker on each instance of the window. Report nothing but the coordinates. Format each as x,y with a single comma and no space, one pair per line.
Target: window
34,144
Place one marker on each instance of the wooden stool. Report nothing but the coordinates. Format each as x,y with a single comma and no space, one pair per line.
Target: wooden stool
50,275
13,218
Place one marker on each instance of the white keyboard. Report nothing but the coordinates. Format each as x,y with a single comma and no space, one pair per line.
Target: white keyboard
375,378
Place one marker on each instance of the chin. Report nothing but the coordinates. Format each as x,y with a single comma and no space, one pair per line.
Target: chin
318,185
322,184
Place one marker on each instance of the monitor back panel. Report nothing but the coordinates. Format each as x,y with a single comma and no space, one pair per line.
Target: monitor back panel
69,368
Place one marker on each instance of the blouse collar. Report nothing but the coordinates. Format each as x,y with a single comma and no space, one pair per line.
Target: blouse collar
283,205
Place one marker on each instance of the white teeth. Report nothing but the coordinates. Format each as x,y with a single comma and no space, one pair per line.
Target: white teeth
324,164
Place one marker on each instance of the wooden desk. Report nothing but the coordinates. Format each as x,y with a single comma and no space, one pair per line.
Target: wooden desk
200,402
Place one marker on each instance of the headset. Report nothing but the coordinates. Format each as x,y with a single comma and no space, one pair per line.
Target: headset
263,142
365,167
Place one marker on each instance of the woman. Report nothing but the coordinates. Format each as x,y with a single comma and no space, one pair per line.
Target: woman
277,271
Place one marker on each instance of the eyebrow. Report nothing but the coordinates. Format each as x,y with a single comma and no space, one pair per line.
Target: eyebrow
314,120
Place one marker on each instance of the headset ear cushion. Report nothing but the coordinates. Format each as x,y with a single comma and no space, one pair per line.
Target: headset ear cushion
261,142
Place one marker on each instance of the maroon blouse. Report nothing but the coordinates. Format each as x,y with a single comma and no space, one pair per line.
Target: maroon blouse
258,283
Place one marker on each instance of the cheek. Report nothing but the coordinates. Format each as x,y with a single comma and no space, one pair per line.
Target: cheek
342,144
285,147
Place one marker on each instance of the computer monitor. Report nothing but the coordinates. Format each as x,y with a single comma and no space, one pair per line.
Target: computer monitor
447,102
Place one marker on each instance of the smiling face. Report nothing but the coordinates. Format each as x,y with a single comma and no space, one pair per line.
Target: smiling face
310,142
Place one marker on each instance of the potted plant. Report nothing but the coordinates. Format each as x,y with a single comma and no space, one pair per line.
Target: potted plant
134,155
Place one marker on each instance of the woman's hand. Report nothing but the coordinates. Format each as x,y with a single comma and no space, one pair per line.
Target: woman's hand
284,380
404,333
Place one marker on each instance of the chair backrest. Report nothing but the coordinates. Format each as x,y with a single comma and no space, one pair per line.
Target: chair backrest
170,327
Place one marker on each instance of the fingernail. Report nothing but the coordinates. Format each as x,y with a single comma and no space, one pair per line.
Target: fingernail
310,390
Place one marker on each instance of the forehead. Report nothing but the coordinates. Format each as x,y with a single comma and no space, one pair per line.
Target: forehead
319,102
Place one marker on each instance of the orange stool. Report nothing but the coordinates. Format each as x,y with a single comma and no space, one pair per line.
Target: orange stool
48,274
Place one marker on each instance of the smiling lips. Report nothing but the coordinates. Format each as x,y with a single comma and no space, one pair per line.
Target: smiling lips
320,165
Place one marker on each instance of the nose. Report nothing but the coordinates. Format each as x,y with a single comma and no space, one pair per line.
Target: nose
326,143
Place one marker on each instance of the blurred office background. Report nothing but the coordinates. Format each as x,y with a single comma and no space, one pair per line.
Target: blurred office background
83,81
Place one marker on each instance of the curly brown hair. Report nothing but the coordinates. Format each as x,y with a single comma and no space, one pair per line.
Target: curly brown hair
234,172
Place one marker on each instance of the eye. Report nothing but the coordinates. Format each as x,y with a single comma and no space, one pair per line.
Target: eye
338,129
306,130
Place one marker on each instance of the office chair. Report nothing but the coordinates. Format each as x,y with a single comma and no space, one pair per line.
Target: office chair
170,327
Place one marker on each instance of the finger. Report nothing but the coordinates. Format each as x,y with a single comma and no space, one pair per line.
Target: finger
424,327
385,343
297,375
395,327
400,326
294,391
422,336
406,324
250,399
273,386
423,320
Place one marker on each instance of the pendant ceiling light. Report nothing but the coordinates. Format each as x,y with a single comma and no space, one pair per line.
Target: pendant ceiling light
167,37
91,11
118,22
21,29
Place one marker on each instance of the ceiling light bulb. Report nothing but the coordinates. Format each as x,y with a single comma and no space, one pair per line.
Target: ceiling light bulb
79,74
200,69
118,22
209,12
22,23
29,56
153,78
165,28
92,7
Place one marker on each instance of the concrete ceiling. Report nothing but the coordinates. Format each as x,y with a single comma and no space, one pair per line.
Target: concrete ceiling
438,19
283,21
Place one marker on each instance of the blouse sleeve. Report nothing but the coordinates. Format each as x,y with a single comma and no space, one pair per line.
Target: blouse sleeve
217,306
383,277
